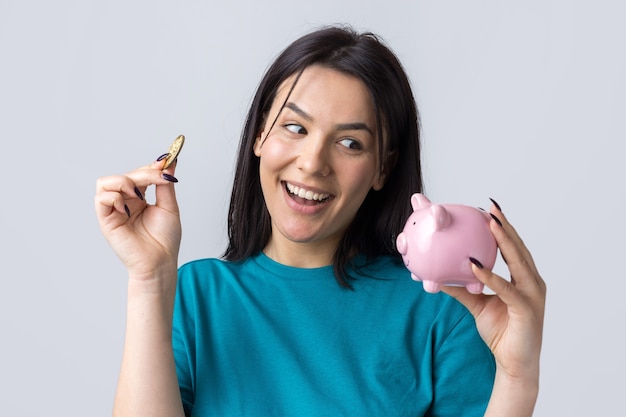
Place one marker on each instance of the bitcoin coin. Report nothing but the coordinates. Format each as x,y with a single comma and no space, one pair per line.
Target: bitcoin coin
174,150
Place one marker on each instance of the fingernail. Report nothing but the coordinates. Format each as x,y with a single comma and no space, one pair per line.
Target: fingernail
138,193
495,203
496,219
127,210
162,157
476,262
169,177
481,209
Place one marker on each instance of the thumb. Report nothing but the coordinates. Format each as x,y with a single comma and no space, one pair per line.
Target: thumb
165,193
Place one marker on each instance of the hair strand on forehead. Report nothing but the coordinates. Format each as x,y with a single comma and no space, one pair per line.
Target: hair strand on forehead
282,106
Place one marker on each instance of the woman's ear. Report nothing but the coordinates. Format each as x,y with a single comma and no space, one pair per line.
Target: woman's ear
258,144
391,158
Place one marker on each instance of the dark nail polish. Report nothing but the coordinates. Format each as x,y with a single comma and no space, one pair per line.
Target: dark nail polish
496,219
476,262
162,157
168,177
127,210
138,193
495,204
481,209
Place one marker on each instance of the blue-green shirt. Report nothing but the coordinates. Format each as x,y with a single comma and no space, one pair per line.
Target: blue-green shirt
258,338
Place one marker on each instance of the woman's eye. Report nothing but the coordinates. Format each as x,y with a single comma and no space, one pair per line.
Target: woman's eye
295,128
351,144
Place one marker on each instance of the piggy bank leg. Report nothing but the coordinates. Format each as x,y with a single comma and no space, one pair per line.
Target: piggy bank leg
432,286
475,287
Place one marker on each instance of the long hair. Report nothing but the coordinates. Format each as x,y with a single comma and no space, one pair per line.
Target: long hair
383,213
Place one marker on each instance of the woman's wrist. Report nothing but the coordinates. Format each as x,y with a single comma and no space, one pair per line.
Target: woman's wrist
514,396
158,273
160,282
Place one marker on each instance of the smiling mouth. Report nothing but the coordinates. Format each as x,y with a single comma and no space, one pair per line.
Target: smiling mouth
306,196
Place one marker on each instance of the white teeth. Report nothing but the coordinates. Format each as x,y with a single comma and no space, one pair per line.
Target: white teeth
306,194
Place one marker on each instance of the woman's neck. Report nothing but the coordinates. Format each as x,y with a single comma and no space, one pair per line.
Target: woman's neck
300,255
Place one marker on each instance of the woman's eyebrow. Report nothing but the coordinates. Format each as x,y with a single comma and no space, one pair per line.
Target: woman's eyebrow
299,111
341,126
355,126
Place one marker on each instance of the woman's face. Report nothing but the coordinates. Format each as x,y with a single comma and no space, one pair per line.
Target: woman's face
317,164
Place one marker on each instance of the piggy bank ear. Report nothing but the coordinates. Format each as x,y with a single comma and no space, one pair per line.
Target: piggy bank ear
419,201
441,217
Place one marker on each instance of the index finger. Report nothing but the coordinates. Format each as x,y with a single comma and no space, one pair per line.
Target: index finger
517,256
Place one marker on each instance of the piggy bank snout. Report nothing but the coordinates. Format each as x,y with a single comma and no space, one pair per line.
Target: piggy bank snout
402,244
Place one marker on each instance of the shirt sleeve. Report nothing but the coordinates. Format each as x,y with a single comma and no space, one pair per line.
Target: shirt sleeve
463,372
183,341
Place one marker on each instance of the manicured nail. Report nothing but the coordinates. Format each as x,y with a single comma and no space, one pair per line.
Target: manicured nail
169,177
481,209
476,262
495,203
138,193
496,219
127,210
162,157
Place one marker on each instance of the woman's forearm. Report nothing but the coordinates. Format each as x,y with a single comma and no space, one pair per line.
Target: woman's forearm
513,397
148,385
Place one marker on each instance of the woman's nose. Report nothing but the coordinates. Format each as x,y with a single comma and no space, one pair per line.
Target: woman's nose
314,157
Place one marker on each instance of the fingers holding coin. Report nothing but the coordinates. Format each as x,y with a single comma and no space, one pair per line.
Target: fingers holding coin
123,195
114,194
174,150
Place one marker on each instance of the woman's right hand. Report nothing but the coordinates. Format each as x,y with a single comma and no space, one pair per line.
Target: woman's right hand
146,237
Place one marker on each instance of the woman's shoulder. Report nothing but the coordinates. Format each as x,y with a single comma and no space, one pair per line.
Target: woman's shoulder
221,270
384,264
383,269
387,273
203,263
207,267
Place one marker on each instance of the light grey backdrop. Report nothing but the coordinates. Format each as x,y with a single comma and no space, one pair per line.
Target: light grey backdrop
521,101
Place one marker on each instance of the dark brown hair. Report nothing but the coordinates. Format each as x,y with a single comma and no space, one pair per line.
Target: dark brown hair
383,213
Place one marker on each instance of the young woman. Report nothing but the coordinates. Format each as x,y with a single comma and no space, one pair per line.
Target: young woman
311,312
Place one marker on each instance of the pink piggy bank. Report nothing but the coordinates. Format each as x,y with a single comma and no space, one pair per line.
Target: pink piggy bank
438,240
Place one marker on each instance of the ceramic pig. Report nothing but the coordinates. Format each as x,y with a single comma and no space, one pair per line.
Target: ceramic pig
438,240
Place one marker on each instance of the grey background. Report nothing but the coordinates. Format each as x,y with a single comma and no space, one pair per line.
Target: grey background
520,101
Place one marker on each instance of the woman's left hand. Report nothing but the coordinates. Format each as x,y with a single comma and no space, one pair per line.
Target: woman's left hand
511,321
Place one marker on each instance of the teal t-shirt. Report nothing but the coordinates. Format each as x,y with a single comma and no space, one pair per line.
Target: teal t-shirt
258,338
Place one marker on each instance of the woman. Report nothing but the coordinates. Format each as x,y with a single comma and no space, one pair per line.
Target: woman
311,312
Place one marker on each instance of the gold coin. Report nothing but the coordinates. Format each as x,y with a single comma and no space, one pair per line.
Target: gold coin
174,150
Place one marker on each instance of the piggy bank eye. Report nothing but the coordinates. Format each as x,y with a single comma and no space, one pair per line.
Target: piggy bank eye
414,223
